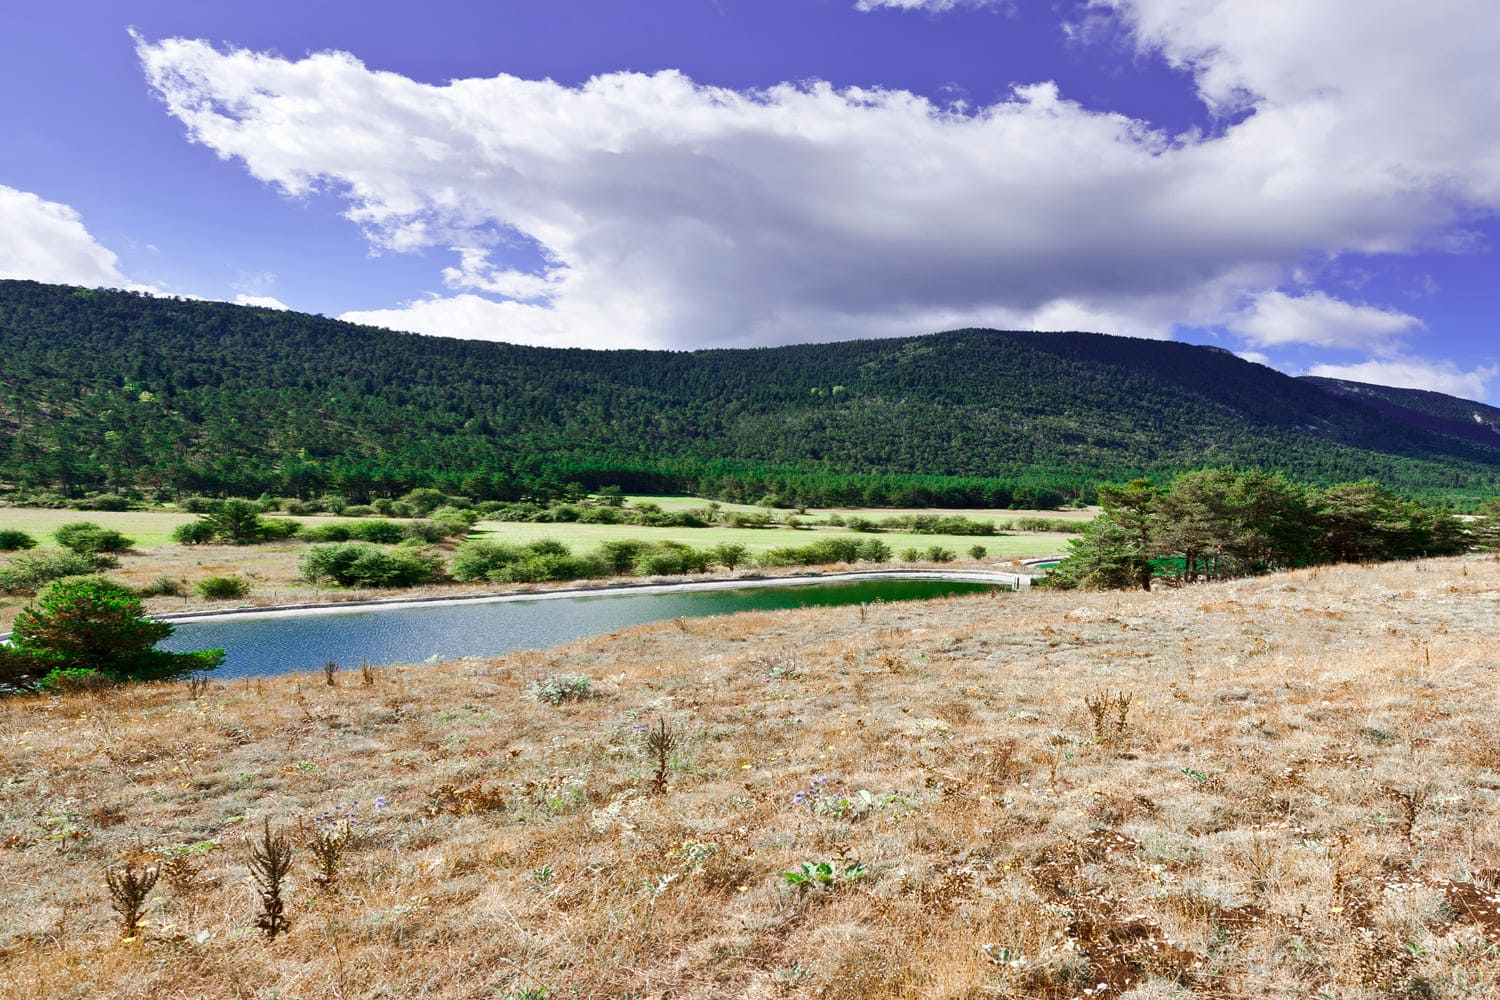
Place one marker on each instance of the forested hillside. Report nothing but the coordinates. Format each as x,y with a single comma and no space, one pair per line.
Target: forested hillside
114,390
1433,411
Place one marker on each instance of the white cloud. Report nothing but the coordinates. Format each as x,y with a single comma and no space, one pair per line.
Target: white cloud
930,5
1275,319
264,301
1416,373
47,241
672,214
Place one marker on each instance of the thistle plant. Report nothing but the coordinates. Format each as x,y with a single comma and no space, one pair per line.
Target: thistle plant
270,861
128,888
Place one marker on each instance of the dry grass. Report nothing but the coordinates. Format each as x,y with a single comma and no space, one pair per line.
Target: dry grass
1302,799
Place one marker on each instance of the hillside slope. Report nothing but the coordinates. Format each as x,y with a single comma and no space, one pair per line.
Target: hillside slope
102,389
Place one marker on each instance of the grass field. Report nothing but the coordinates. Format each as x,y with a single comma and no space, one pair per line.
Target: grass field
273,569
146,528
585,536
1280,787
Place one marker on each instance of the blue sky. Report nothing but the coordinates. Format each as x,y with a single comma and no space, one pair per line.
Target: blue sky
1315,192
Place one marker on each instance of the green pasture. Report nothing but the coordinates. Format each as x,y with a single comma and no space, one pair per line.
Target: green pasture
583,537
146,528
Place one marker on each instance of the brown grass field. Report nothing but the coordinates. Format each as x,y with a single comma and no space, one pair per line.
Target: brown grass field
1281,787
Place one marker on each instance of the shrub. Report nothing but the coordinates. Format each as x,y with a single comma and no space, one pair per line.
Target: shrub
672,558
104,502
358,510
620,556
424,531
828,550
555,689
937,553
360,564
197,505
383,532
12,540
218,588
336,532
978,552
90,623
162,586
30,571
730,554
193,533
545,566
274,529
87,538
476,559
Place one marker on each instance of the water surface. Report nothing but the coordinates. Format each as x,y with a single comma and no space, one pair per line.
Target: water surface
261,645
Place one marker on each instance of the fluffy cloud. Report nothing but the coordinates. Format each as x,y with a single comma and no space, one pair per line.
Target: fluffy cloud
930,5
1416,373
674,214
47,241
264,301
1276,319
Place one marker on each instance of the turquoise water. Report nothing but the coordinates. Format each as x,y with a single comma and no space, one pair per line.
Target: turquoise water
260,646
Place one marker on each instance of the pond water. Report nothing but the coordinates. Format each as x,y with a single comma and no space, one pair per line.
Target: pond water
258,645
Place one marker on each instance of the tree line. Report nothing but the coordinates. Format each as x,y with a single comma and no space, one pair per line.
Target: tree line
1219,523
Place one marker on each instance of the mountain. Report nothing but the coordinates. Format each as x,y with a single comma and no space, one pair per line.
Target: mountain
114,390
1429,411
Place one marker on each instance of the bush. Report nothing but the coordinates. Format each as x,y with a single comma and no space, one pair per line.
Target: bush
197,505
274,529
30,571
978,552
546,566
383,532
104,502
358,510
87,538
359,564
12,540
476,559
193,533
730,554
424,531
937,553
91,624
162,586
828,550
670,559
555,689
619,557
220,588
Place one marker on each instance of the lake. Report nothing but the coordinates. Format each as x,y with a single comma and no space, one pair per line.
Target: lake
263,644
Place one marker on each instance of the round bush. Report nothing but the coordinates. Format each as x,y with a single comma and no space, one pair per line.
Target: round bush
87,538
221,588
12,540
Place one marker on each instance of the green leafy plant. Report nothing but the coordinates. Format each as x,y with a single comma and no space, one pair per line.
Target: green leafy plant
219,588
823,874
555,689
